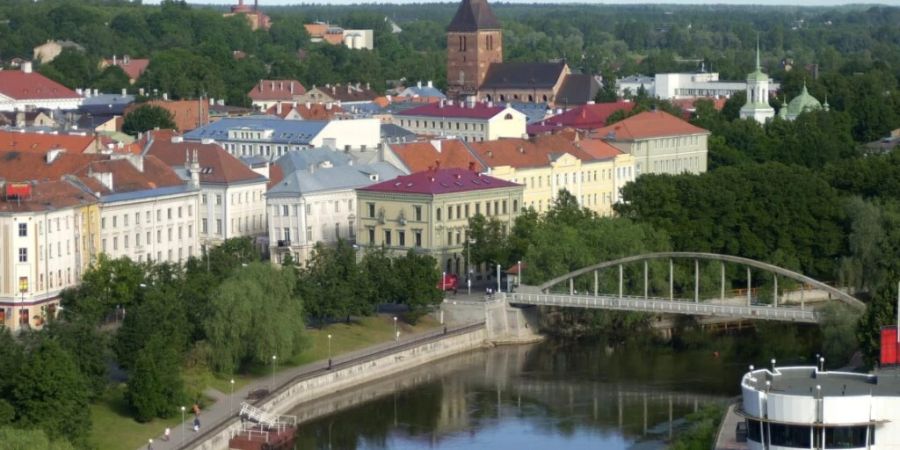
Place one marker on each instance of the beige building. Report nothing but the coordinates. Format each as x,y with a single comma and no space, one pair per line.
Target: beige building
429,211
470,121
48,232
659,143
592,170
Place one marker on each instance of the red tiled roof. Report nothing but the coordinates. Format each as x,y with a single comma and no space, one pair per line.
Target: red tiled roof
419,156
42,142
276,90
47,195
127,178
584,117
480,110
315,111
187,114
275,176
648,124
25,166
442,181
20,85
134,68
217,165
516,152
599,149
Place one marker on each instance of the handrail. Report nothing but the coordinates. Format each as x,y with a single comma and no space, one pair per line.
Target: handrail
841,295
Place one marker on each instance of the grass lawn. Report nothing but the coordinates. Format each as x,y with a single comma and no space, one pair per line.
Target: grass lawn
114,429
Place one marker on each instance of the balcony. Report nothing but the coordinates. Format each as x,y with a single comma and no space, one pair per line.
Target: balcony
284,243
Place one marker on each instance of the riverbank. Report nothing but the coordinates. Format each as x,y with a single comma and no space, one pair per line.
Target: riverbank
318,380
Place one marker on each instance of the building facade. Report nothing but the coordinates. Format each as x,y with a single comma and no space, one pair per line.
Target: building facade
272,138
659,143
669,86
314,200
268,93
807,407
429,212
474,42
470,121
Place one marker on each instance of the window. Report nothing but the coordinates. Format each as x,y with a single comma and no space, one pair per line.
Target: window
219,226
287,234
190,214
158,215
794,435
203,199
190,231
843,437
203,226
179,213
168,214
371,235
459,211
401,238
159,236
103,223
516,205
418,238
504,206
124,219
337,230
337,206
437,214
371,208
285,210
218,199
23,254
179,232
308,209
170,234
351,229
137,218
449,238
137,240
308,234
387,237
23,229
417,211
467,210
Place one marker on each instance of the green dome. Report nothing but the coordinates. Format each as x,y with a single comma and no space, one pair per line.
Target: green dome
803,103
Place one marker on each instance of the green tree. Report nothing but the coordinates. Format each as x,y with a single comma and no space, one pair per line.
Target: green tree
838,324
419,290
11,359
16,438
72,68
490,242
155,388
51,394
254,314
84,339
112,79
147,117
162,312
383,282
106,285
333,285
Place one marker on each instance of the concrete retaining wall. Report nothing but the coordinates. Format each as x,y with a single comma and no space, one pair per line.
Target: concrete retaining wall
346,375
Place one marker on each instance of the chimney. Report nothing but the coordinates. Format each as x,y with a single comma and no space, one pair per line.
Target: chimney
278,108
368,86
419,85
292,87
125,59
141,92
271,85
124,92
328,106
26,67
165,96
430,84
308,105
115,61
20,119
96,92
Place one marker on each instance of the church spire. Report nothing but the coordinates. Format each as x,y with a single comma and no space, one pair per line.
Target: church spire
758,66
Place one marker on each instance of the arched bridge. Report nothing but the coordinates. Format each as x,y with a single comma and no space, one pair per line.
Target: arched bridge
541,295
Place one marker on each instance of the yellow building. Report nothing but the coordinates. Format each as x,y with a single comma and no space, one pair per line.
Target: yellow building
470,121
591,170
429,211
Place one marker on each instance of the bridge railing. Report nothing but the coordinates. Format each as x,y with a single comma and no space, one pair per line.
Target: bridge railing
641,304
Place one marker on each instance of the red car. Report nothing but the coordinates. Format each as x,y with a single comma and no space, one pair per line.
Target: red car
448,283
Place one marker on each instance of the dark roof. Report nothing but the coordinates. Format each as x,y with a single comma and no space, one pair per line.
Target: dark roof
442,181
577,89
512,75
478,110
474,15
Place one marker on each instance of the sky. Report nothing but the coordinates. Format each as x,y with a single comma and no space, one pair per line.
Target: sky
694,2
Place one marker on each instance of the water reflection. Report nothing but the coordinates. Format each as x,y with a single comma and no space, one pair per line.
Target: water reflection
554,394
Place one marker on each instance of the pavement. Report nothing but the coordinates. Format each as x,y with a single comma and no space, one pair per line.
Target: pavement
725,439
228,406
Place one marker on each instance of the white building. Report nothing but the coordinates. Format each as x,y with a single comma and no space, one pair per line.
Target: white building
315,200
682,85
659,143
25,89
804,407
271,138
232,195
757,106
359,39
470,121
48,230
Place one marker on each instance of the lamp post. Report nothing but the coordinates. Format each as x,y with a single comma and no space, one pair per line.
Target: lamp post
329,352
396,331
183,431
231,398
274,360
471,242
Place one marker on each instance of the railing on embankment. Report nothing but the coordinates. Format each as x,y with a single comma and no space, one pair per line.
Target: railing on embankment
377,361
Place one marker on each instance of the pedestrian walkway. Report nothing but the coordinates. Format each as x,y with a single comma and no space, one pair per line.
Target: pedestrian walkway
228,406
726,439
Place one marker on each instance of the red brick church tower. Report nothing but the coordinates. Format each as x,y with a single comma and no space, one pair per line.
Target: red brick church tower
474,41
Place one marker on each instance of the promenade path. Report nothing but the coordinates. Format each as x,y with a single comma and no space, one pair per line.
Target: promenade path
227,406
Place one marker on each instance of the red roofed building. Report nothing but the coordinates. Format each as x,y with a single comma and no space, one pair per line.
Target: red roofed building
43,142
659,142
305,111
268,93
187,114
429,155
428,212
25,89
585,117
469,121
232,196
133,67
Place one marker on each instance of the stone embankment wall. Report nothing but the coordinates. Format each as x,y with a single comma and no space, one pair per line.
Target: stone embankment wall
347,374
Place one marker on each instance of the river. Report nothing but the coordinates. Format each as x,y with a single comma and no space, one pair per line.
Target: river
553,395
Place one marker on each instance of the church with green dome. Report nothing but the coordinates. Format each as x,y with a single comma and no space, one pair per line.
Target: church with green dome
801,104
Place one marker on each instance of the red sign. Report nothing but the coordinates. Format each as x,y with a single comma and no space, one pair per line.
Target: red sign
18,190
889,346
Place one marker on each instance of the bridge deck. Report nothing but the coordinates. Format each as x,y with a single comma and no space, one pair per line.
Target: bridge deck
665,306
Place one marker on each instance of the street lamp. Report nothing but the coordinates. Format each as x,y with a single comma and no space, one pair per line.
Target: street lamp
471,242
274,360
396,331
231,398
329,351
183,431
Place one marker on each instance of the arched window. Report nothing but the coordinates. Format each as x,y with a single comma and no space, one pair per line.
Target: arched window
462,43
530,98
508,116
